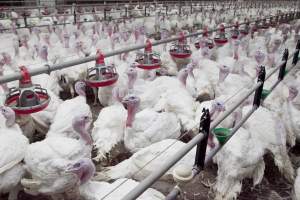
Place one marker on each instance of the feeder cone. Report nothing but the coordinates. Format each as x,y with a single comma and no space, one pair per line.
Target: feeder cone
148,47
205,32
222,28
182,37
99,58
26,80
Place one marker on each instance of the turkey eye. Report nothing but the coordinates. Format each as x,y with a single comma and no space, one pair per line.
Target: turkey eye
77,165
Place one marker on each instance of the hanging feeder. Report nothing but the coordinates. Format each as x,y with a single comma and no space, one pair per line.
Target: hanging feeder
180,49
148,60
235,31
254,27
204,40
221,38
245,30
101,75
273,22
263,24
28,98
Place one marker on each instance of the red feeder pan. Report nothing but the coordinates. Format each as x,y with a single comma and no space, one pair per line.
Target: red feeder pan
28,98
147,60
221,38
207,42
235,31
180,50
101,75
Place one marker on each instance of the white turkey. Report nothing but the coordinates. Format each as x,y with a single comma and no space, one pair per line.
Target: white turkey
12,150
62,122
48,162
236,161
297,185
267,129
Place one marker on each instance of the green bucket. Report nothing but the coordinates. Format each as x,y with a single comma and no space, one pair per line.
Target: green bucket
221,134
265,93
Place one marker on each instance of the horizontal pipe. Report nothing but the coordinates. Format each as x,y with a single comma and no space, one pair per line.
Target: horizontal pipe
146,183
133,194
32,72
95,4
212,153
71,14
149,180
173,194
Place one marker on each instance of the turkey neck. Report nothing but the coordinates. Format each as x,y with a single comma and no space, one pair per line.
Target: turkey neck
87,173
131,111
182,76
222,75
10,120
81,130
235,52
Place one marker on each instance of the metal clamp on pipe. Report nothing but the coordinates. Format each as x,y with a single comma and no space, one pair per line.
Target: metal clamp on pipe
258,92
285,58
296,54
201,146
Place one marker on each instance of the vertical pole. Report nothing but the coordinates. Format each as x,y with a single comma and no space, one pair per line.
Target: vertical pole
105,13
166,10
258,92
201,147
75,18
283,66
25,19
179,8
296,54
145,14
126,12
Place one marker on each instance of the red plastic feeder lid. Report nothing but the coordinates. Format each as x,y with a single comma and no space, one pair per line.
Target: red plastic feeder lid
205,32
148,47
156,63
101,75
110,80
17,101
28,98
244,32
220,41
222,28
182,38
181,55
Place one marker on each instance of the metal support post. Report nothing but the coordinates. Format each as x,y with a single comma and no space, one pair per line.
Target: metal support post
296,54
201,146
258,92
283,66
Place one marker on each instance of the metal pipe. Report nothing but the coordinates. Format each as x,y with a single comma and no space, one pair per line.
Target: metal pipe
212,153
133,194
17,75
173,194
148,181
